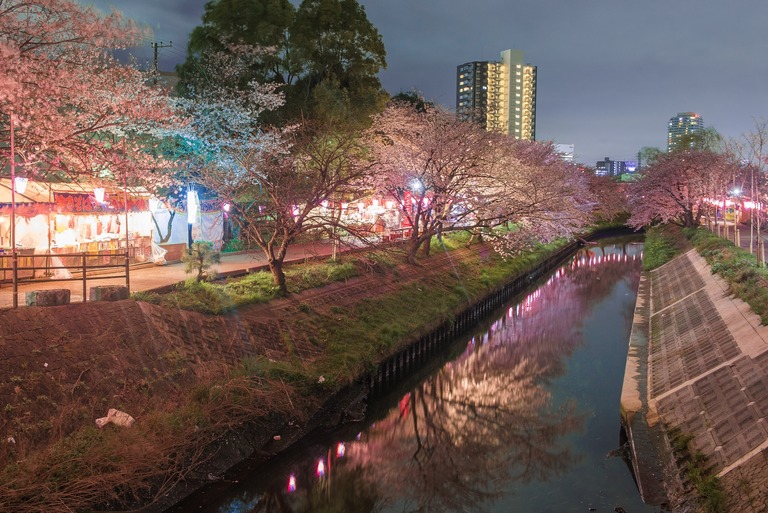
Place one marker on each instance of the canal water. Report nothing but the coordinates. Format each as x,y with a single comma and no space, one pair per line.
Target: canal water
521,415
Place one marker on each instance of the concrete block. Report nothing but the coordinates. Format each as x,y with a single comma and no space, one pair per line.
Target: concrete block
52,297
108,293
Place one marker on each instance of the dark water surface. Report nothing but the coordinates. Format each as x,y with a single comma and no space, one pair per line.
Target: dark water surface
522,418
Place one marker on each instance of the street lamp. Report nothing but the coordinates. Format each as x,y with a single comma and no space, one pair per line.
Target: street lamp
736,211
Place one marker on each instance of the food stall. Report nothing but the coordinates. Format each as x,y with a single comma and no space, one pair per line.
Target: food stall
59,218
32,213
92,220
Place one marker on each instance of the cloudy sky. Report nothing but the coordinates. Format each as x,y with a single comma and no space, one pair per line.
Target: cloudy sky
610,72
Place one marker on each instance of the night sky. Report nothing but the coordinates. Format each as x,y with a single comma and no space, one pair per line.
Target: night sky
610,72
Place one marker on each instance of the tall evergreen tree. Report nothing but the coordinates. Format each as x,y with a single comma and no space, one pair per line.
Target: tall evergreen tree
341,53
258,23
326,54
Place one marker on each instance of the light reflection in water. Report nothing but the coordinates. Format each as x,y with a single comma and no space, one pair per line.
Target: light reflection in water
472,432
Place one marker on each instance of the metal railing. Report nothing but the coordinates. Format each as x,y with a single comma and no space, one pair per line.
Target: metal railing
24,267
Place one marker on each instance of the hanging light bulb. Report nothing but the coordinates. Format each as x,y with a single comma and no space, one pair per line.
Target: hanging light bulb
320,468
20,184
291,484
98,193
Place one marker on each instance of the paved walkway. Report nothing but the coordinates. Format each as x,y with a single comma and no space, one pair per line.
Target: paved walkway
707,375
150,276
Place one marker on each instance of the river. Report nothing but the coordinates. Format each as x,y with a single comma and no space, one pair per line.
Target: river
522,414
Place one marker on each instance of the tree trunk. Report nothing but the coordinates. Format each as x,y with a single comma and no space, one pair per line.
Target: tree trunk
275,259
427,245
164,238
278,275
413,248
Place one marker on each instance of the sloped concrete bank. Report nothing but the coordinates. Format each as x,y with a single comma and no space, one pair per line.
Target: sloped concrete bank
698,364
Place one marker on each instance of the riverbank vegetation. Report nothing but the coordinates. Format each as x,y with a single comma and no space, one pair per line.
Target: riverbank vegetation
662,244
697,473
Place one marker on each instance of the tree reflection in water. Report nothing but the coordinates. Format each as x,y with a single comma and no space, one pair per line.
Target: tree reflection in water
478,427
486,420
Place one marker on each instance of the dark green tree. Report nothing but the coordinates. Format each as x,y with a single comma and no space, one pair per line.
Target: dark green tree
200,258
647,156
326,54
256,23
341,50
414,98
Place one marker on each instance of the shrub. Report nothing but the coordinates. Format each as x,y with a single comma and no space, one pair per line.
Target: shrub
200,258
662,244
233,245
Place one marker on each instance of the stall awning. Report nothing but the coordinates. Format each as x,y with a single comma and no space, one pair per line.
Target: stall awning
71,198
35,193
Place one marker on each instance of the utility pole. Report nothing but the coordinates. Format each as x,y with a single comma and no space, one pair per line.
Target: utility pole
155,45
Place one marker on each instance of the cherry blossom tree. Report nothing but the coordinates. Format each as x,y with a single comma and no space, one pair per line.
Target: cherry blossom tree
610,197
541,197
679,187
278,182
447,174
225,108
281,190
72,107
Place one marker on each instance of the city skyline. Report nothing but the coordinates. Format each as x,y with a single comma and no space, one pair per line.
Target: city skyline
608,87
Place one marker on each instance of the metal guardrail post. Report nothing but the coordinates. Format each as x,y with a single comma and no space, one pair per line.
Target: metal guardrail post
84,277
15,271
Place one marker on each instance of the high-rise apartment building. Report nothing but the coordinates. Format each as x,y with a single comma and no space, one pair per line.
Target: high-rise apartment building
680,129
501,95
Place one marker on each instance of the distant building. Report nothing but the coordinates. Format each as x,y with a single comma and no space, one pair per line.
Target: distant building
501,96
567,151
680,129
610,167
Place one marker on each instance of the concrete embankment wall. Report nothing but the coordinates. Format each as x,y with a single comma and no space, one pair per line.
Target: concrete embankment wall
398,366
698,363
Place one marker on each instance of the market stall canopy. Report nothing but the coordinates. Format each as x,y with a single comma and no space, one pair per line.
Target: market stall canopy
35,192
